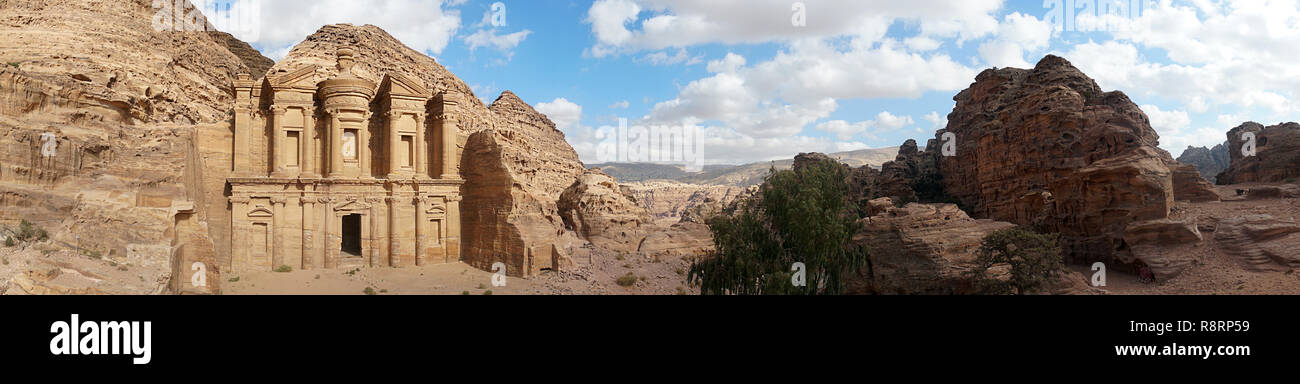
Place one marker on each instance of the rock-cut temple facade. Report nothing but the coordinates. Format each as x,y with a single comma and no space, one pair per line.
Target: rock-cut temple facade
343,173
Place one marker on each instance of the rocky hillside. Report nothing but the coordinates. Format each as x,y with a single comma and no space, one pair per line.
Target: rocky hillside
515,162
1057,153
1276,159
1208,161
97,116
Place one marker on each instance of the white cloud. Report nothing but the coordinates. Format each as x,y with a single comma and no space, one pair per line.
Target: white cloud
884,122
1017,35
1237,54
1167,122
421,24
564,113
620,105
681,57
489,38
936,120
619,27
731,63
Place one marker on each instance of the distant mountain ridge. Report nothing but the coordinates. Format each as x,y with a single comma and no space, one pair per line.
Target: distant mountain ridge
732,175
1208,161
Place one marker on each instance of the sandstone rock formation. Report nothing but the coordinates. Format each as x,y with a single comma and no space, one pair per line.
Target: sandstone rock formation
97,113
924,249
671,201
902,178
1162,245
681,239
604,213
1260,242
1277,154
1189,185
514,161
1284,191
1208,161
1047,147
515,173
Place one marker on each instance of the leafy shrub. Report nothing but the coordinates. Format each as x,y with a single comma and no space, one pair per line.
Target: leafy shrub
28,232
369,291
627,280
1034,259
284,269
801,215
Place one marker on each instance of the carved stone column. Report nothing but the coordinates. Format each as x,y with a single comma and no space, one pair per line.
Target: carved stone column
307,153
393,164
372,243
308,210
277,142
421,148
449,134
239,232
395,246
336,144
363,146
420,232
243,133
453,228
323,230
278,223
333,239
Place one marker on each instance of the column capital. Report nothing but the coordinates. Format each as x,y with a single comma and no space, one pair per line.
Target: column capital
279,109
279,200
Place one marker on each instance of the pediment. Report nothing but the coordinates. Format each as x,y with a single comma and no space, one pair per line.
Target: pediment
398,84
300,77
260,211
352,205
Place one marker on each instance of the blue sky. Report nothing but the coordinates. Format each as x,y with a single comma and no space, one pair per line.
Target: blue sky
856,74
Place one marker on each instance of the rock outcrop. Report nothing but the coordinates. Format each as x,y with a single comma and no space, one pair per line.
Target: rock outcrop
1163,245
604,213
98,111
1208,161
1047,147
923,249
911,175
514,161
1189,185
1276,158
1260,242
671,201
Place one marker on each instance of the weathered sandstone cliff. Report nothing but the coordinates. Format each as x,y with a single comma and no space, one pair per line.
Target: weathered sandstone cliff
1276,158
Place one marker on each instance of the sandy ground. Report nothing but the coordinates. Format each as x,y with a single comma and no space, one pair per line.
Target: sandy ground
48,268
1216,273
597,273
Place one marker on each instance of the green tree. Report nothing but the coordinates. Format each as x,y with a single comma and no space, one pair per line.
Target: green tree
1033,259
800,216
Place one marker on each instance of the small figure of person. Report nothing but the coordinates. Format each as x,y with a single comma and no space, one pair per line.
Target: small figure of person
1146,276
